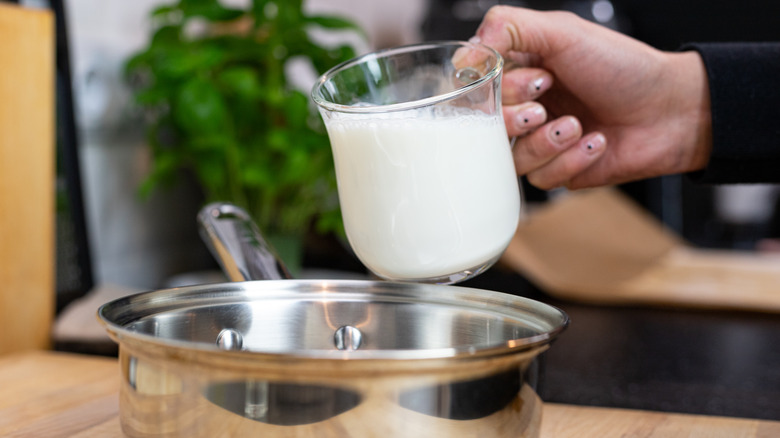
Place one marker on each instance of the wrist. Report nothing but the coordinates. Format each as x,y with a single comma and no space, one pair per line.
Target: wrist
690,106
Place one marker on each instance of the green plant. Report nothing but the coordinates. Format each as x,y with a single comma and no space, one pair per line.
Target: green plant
213,83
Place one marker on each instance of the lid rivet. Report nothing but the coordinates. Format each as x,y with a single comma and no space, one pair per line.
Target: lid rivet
347,337
229,339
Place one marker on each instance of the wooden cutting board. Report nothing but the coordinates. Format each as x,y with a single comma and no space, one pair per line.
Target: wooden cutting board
44,394
597,246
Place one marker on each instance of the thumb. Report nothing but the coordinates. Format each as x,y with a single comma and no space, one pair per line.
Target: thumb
511,29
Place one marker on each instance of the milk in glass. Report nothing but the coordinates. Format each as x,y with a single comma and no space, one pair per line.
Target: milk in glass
425,196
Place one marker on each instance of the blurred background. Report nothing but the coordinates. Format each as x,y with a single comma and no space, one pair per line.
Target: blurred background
108,234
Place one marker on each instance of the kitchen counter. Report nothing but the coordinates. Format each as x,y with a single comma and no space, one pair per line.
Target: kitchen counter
666,359
49,394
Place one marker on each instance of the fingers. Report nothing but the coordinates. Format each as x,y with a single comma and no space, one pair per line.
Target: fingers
566,168
556,153
538,148
519,88
521,119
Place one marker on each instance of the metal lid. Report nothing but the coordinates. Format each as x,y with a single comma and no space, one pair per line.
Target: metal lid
336,319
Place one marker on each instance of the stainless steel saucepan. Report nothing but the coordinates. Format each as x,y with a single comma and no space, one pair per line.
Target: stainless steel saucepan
323,358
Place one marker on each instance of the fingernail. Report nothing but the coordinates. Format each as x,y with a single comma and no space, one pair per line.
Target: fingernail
475,40
564,130
595,144
539,85
532,115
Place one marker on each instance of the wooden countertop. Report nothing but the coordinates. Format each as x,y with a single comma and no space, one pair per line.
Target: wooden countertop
49,394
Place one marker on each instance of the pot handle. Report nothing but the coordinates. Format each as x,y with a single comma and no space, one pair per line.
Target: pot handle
235,241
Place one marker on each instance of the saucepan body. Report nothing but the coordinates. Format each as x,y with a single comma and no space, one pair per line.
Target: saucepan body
329,358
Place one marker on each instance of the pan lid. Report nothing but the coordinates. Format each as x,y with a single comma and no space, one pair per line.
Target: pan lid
335,319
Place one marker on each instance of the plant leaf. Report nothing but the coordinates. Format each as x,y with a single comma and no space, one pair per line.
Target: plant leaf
166,35
241,81
199,108
210,169
256,175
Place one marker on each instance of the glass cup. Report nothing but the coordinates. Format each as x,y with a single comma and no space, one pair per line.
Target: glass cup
426,180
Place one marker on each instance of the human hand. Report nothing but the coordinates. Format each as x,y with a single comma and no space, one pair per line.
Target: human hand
619,109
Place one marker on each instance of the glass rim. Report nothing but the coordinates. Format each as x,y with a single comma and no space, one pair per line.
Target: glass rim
412,104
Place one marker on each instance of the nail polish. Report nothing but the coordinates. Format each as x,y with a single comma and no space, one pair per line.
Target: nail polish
564,130
533,115
538,86
595,144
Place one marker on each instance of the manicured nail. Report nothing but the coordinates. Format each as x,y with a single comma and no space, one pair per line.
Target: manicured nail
564,130
532,115
475,40
539,86
595,144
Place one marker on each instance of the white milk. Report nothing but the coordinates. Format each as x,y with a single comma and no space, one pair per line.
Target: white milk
424,197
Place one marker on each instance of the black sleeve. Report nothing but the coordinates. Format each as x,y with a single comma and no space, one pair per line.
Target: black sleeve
744,81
